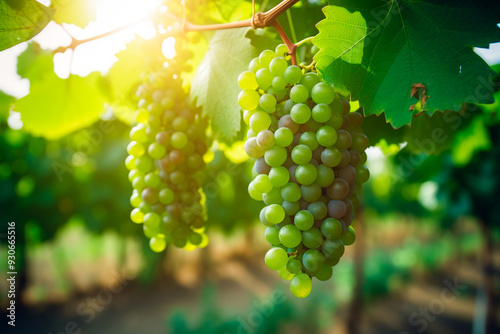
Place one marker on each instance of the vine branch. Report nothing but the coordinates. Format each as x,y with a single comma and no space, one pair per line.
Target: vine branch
77,42
258,20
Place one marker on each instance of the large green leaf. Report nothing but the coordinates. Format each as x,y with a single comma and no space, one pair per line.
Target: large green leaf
5,103
34,63
139,57
20,20
215,85
55,107
78,12
377,50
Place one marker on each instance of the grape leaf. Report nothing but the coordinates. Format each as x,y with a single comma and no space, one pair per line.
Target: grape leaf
55,107
78,12
125,75
20,20
215,84
377,50
35,62
5,103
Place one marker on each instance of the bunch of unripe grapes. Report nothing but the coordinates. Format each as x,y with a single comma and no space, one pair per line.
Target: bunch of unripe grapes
309,153
166,162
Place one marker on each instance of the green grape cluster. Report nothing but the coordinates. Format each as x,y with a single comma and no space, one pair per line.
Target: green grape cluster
309,152
166,161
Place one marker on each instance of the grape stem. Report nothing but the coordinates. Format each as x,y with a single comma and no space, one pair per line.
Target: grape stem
258,20
291,47
304,41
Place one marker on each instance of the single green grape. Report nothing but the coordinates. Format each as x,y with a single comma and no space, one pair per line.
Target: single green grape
247,80
276,258
301,285
304,220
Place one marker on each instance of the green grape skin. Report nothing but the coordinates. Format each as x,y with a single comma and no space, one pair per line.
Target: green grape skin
285,274
135,200
152,180
151,219
325,273
362,174
349,236
279,176
264,78
331,156
277,66
260,121
248,99
262,183
290,236
275,156
306,174
301,285
255,65
333,249
301,154
263,219
312,238
304,220
254,194
136,149
293,74
247,80
272,235
322,93
291,208
139,183
137,216
134,173
279,83
266,57
311,193
293,265
273,197
300,113
150,232
157,244
283,137
281,50
309,80
268,103
166,196
276,258
318,210
275,213
291,192
321,113
309,139
144,164
331,228
326,175
313,260
299,94
326,136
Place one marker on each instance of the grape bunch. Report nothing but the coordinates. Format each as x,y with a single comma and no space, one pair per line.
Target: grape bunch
166,161
309,152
